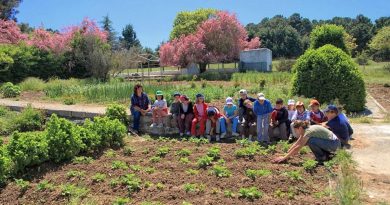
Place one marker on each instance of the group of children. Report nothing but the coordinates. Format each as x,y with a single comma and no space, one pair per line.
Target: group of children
251,117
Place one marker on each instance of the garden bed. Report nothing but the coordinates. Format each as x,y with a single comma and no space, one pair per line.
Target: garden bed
381,94
171,180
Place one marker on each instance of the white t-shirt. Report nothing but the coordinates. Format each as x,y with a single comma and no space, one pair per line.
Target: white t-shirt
160,103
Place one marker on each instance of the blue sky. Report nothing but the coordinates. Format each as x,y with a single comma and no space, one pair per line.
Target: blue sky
152,19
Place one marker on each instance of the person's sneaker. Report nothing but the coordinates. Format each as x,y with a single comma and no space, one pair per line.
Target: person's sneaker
153,125
181,134
208,137
217,138
188,133
235,134
223,135
202,136
250,138
161,125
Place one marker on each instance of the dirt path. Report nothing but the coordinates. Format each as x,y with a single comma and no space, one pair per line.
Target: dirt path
371,150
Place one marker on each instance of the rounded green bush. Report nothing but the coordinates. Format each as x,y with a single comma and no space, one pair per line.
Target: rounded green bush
115,111
10,90
4,164
89,137
329,74
328,34
111,132
29,119
63,138
27,149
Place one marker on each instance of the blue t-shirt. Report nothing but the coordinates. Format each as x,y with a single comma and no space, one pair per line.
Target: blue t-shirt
229,110
262,109
339,127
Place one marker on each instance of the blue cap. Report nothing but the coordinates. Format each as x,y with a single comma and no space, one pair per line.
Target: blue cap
331,108
199,95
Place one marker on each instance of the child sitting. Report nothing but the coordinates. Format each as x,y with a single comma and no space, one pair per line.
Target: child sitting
300,114
279,119
186,115
212,123
248,125
200,116
230,116
316,115
159,110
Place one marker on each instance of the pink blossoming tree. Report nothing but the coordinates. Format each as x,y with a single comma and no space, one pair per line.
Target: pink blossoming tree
218,39
10,32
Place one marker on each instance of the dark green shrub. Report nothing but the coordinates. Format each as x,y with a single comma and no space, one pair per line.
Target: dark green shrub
91,140
116,111
10,90
63,138
362,58
328,34
29,119
328,74
27,149
111,132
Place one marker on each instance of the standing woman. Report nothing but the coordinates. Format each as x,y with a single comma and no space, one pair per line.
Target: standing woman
186,115
321,141
140,105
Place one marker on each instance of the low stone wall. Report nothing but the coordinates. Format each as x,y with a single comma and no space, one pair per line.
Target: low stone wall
170,125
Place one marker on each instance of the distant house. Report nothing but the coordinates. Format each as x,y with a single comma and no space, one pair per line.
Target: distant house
256,60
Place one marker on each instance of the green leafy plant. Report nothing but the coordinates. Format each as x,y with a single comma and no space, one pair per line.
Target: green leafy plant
119,165
114,182
5,164
162,151
75,173
132,182
310,164
192,172
204,161
228,193
154,159
10,90
121,201
220,171
112,132
279,193
304,150
27,149
29,119
249,151
45,185
160,186
250,193
73,191
188,187
146,151
22,184
294,175
214,152
63,139
99,177
90,138
136,167
253,173
110,153
128,151
183,152
184,160
115,111
285,146
149,170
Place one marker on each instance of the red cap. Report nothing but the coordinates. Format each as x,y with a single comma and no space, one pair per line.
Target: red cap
314,102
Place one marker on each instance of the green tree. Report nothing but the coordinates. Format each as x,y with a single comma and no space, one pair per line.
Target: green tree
380,44
278,35
129,37
329,74
382,22
361,30
8,9
302,25
107,26
186,22
328,34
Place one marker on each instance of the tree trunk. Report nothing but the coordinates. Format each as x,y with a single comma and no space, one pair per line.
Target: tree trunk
202,67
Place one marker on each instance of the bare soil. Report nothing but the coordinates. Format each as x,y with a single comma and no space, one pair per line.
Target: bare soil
381,94
172,173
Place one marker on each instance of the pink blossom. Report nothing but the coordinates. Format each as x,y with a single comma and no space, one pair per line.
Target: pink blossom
10,32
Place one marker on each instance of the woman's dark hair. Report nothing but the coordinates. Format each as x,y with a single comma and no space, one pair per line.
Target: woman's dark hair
300,123
136,87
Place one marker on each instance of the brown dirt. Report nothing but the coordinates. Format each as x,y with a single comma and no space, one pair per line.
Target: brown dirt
381,94
172,174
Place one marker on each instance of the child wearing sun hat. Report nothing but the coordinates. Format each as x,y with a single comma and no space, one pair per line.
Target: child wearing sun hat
159,110
230,116
200,116
263,108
